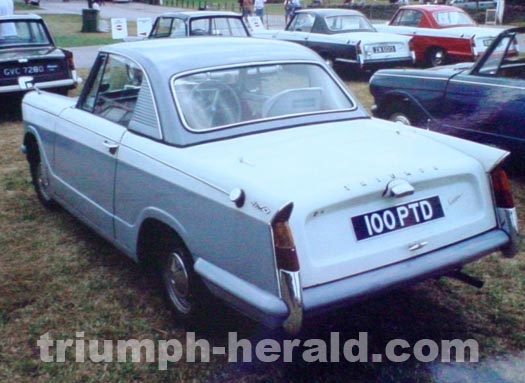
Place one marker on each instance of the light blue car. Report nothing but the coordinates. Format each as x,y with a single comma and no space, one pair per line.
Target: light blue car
243,168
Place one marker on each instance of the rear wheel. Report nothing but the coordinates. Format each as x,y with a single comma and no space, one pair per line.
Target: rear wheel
40,180
436,56
404,113
183,290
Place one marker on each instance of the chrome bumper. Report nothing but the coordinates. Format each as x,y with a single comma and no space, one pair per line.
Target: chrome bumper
508,222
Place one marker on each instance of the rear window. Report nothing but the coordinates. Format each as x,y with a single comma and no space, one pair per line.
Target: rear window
227,97
448,19
14,33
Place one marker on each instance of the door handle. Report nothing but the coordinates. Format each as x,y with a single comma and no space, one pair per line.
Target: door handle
111,146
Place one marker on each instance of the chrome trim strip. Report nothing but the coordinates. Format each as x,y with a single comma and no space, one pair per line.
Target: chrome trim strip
487,84
292,295
341,85
508,222
409,76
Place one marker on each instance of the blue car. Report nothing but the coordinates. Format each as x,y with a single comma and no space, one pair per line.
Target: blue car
483,102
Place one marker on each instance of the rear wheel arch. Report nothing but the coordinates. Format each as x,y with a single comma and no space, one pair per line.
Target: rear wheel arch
436,55
403,109
163,250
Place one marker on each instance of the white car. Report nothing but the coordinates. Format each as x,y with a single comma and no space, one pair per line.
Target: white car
344,37
244,168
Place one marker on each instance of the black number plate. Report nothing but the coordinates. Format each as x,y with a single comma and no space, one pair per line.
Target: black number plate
398,217
385,49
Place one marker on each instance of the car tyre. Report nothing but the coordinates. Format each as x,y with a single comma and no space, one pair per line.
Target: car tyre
40,180
184,292
404,113
436,56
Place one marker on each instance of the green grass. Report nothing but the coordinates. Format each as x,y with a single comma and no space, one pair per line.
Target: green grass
66,30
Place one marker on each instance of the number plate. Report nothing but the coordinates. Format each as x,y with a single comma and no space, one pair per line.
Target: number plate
28,70
385,49
398,217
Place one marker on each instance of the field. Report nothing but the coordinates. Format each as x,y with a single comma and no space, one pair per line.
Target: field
59,278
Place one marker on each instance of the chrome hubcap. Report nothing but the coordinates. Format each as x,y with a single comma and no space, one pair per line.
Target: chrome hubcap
42,180
178,282
400,119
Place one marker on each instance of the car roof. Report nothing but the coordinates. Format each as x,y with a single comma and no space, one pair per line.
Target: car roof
192,14
20,17
171,56
323,12
431,7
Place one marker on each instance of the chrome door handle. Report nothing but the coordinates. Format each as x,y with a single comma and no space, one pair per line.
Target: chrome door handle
111,146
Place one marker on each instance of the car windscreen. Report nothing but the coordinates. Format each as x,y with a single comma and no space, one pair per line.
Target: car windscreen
452,18
24,32
222,98
348,23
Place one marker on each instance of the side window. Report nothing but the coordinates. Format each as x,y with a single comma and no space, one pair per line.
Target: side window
114,90
163,27
408,18
200,27
302,22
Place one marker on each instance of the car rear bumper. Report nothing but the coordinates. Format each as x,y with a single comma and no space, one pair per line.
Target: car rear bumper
274,311
379,64
66,83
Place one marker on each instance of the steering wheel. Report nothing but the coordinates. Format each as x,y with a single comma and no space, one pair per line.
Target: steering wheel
214,103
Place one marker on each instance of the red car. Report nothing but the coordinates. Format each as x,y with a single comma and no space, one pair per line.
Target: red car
441,34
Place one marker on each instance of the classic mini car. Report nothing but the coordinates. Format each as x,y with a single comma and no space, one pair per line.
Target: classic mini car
245,168
199,23
441,34
484,102
344,37
29,57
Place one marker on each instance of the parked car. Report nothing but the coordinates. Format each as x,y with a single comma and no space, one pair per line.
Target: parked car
484,102
441,34
344,37
245,168
199,23
473,4
30,59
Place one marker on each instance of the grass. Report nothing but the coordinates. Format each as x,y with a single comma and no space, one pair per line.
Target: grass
58,277
66,30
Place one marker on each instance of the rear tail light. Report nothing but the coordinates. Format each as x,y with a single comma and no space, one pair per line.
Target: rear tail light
69,59
501,187
285,252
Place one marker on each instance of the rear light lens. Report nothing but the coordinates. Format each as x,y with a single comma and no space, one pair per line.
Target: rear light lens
501,187
69,59
285,252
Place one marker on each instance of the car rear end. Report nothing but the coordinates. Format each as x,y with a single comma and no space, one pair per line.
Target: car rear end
29,58
391,222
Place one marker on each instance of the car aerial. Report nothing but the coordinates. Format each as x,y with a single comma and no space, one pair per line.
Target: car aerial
441,34
237,166
484,102
29,57
199,23
344,37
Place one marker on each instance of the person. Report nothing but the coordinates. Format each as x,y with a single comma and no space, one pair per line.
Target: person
6,7
259,8
287,11
247,6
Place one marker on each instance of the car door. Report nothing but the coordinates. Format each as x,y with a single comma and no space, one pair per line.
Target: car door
487,105
88,137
